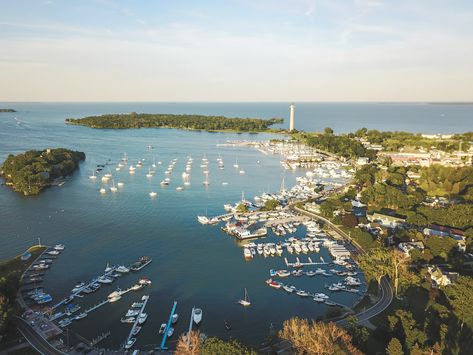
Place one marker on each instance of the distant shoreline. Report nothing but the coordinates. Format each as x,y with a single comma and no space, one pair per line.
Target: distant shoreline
7,110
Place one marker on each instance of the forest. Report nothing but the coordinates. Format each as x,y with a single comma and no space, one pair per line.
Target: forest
191,122
30,172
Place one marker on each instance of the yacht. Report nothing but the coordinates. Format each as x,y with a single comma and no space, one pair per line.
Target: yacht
197,317
245,302
93,176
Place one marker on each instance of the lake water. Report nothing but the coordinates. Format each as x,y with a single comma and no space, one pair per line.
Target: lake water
193,264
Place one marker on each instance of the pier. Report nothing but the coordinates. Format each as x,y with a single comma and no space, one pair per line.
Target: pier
298,263
135,324
190,325
163,342
74,294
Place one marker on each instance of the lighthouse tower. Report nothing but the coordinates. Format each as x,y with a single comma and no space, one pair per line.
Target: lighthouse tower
291,117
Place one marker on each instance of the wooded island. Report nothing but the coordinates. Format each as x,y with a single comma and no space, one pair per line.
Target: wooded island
30,172
191,122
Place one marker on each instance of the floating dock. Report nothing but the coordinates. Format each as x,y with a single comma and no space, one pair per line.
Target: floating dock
190,325
163,342
298,263
135,324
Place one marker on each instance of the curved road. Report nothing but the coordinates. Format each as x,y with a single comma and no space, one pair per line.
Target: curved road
40,344
386,290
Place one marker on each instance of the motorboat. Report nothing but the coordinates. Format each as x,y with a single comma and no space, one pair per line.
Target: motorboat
245,302
123,269
104,280
247,253
272,283
175,318
162,329
137,305
170,332
53,252
136,330
59,247
78,287
153,194
289,289
80,316
179,188
302,293
120,184
130,343
102,190
197,317
132,313
108,268
142,318
128,320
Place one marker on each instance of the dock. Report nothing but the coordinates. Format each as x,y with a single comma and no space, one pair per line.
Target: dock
190,325
163,342
74,294
298,263
135,324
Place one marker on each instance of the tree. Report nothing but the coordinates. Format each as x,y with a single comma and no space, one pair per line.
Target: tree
375,264
189,344
460,297
394,347
328,130
214,346
242,208
399,263
270,205
317,337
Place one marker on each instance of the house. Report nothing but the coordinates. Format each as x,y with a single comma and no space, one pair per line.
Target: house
362,161
444,231
441,278
386,218
406,247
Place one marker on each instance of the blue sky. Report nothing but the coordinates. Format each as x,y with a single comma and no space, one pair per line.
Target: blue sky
236,50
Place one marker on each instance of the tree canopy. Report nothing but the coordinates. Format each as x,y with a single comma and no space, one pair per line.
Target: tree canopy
157,120
32,171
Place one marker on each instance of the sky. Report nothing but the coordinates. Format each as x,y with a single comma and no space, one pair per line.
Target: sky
236,50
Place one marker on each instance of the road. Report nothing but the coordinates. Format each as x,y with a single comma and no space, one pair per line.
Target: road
386,290
36,341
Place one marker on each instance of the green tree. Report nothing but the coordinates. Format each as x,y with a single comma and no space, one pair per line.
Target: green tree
460,297
375,264
242,208
215,345
270,205
394,347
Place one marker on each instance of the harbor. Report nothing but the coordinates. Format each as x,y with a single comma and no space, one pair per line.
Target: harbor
272,238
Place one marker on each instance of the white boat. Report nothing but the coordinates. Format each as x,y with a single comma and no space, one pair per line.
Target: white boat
93,176
162,328
247,253
123,269
170,332
245,302
179,188
165,182
203,220
113,188
130,343
152,194
197,317
80,316
128,320
102,190
132,313
120,184
242,172
59,247
136,330
175,318
142,318
104,280
108,268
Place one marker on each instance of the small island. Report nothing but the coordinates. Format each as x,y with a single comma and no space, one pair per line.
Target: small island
189,122
32,171
7,110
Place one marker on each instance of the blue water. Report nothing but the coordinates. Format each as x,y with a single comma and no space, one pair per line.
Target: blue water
193,264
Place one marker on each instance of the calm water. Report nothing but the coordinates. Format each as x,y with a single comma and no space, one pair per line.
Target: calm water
193,264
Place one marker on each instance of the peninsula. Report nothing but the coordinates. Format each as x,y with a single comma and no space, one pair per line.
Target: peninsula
189,122
7,110
30,172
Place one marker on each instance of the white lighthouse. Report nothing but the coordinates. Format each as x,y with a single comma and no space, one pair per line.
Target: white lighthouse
291,117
